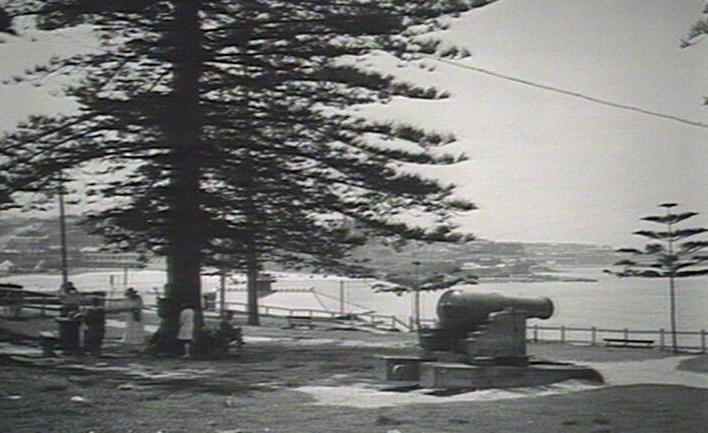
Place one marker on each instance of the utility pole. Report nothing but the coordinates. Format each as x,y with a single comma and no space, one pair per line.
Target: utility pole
416,297
62,232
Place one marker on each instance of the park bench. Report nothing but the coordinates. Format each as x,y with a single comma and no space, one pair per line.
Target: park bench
628,342
300,322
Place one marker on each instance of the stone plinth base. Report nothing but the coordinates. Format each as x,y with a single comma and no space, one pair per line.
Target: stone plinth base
454,375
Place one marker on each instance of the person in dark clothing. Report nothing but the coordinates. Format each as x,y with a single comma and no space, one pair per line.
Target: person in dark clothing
227,333
70,299
95,326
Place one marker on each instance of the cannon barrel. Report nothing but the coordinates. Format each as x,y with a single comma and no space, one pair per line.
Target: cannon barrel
460,311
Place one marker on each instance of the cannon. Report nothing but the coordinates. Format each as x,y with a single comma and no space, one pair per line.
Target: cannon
479,326
479,342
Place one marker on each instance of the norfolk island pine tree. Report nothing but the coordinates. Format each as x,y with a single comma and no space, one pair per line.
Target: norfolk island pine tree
672,254
184,87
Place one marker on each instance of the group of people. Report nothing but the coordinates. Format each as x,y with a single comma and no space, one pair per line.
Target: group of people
93,316
93,319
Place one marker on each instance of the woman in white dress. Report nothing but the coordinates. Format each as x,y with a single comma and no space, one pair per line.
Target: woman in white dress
134,326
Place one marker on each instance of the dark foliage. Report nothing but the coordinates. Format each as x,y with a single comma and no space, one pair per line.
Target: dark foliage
226,131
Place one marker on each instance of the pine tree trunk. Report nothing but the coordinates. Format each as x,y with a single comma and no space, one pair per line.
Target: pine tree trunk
182,130
674,320
250,238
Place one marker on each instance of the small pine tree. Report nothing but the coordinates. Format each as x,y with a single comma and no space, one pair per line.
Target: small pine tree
669,255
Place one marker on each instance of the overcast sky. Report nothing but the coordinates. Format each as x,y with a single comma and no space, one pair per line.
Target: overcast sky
549,167
543,166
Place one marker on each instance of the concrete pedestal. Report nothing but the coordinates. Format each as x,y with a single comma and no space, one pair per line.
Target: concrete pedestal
454,375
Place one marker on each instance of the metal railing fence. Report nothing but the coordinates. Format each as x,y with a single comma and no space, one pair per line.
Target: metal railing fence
687,340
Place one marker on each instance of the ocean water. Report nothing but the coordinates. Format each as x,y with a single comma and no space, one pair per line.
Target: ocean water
609,303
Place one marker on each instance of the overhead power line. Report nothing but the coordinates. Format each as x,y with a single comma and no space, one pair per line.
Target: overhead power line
573,94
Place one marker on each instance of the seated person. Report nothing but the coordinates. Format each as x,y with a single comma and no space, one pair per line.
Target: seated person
227,332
